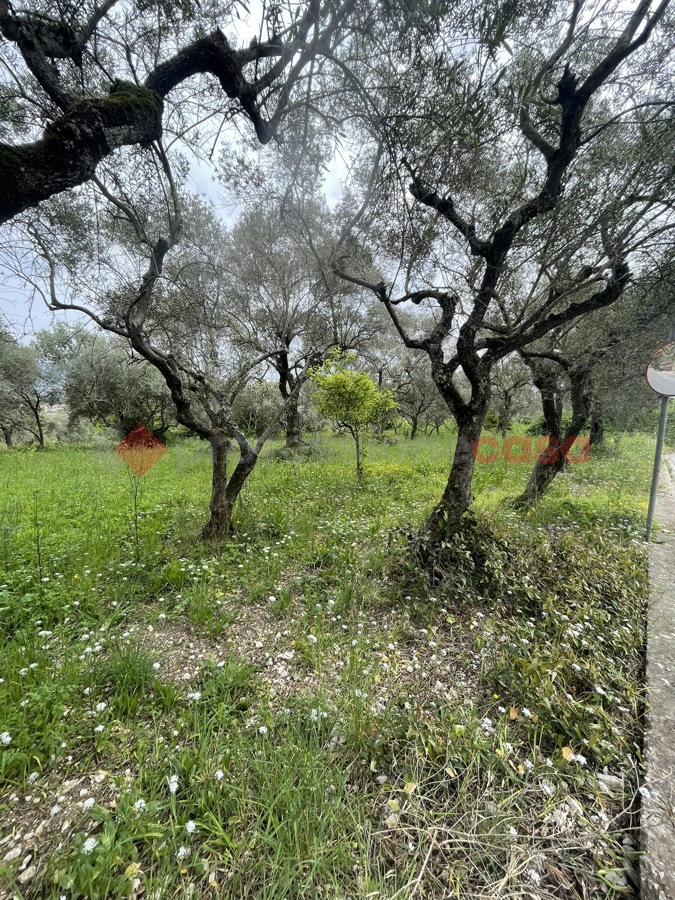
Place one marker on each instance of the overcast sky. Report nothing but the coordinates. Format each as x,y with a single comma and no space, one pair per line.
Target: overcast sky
26,317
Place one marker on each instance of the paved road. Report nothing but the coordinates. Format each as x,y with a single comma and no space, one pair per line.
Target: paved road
657,868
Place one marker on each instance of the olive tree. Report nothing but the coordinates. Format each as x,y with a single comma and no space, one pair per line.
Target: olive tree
578,359
107,385
27,385
174,315
120,89
284,302
511,391
416,392
527,189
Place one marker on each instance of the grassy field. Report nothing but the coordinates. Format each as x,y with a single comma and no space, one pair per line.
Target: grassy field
301,713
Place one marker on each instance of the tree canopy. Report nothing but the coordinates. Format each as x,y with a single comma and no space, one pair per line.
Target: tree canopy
504,173
105,75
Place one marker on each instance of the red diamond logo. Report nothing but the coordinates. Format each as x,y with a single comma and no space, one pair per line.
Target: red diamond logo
140,450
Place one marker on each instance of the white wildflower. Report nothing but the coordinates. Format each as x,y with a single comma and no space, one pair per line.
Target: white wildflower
548,788
190,827
173,783
312,638
181,853
5,738
89,845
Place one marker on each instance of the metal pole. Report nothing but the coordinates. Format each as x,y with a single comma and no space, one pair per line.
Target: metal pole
660,437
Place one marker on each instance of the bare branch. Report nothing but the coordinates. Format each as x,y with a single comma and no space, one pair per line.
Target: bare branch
446,207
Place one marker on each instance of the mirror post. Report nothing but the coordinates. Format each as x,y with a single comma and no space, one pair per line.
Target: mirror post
660,438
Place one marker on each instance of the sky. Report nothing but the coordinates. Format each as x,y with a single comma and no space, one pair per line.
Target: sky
26,316
15,308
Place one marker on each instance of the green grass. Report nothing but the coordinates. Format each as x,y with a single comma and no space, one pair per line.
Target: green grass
334,725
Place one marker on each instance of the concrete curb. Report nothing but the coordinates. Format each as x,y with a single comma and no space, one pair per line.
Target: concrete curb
657,866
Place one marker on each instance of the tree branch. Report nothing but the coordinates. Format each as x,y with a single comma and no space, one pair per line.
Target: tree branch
74,144
446,207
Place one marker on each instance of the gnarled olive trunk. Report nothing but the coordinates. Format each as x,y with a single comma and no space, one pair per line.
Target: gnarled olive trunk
597,430
224,493
551,461
552,407
457,496
293,424
38,432
220,522
7,434
359,465
505,416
